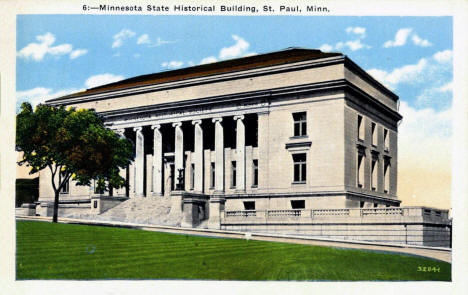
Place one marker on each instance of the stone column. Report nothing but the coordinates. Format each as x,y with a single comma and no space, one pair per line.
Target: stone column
179,150
240,153
263,150
139,161
121,192
157,161
198,156
219,155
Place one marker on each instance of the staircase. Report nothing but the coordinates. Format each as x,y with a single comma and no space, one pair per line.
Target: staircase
152,210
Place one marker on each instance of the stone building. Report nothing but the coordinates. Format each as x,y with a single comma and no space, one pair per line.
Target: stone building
269,142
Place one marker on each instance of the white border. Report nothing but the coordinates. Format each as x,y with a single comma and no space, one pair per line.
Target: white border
8,285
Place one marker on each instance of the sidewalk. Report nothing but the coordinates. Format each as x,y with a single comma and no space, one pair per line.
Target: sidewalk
444,254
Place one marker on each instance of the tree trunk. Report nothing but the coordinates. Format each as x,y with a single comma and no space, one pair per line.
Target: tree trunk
56,203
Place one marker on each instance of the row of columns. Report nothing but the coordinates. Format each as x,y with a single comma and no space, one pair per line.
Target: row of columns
157,162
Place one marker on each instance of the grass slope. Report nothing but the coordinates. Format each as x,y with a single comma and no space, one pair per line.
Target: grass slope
66,251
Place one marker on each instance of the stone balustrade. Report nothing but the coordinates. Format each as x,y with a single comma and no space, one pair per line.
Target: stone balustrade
311,214
403,225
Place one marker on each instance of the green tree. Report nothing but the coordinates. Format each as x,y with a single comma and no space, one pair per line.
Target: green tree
73,144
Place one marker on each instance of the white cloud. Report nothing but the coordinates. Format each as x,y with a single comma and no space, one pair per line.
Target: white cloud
39,95
37,51
144,39
172,64
121,36
424,156
438,96
420,42
446,87
353,45
160,42
326,48
238,49
400,38
421,125
407,73
356,45
443,56
60,49
357,30
47,38
102,79
77,53
208,60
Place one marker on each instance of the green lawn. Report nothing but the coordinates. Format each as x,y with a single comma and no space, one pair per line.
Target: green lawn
67,251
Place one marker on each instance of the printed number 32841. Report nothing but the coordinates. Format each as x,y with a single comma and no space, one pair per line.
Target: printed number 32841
428,268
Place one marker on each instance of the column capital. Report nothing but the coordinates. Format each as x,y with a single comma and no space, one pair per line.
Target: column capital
239,117
177,124
195,122
218,119
120,132
156,126
138,129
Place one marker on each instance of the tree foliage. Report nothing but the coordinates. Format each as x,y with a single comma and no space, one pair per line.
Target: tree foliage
73,144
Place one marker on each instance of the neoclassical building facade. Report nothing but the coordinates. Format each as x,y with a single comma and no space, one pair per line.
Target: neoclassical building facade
287,131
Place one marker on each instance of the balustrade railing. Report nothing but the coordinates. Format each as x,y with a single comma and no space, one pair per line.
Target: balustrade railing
241,213
330,212
284,213
303,214
381,211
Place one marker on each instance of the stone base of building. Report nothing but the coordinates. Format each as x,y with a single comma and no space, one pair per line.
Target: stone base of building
401,225
26,209
404,225
100,204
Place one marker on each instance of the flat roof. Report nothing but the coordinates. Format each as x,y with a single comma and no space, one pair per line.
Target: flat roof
285,56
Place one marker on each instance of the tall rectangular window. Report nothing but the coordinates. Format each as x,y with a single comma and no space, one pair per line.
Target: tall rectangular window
233,174
255,173
374,134
192,176
213,174
66,187
300,124
386,140
374,174
300,171
172,174
360,129
387,176
360,168
152,182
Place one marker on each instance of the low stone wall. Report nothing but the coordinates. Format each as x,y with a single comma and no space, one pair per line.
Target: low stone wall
407,225
27,209
100,204
66,208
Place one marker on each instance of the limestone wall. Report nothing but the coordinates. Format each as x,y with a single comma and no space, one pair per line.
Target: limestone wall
410,225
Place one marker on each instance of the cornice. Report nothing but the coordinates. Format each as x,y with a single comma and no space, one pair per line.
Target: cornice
267,95
368,78
199,81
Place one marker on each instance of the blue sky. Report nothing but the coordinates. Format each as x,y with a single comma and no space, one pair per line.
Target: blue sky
190,39
59,54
